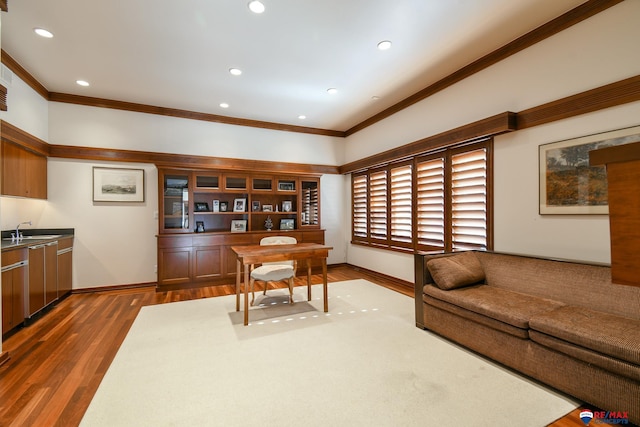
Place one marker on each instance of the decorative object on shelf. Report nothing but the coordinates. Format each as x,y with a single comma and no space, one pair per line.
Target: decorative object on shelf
223,206
239,205
216,205
267,208
286,186
201,207
118,185
286,206
568,185
255,206
199,226
287,224
268,224
177,208
238,225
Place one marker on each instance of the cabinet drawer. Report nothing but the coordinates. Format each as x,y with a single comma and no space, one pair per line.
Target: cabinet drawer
14,256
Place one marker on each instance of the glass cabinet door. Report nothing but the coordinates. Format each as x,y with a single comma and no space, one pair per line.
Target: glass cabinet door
310,202
175,214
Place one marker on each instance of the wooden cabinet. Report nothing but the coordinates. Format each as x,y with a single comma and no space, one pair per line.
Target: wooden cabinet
24,173
43,277
14,278
207,258
65,264
223,201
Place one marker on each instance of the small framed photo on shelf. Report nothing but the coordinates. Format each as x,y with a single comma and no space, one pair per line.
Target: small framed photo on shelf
239,205
286,186
267,208
202,207
199,226
224,206
177,208
286,206
238,225
216,205
287,224
255,206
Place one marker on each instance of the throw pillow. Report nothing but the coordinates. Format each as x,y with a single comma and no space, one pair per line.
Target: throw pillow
456,271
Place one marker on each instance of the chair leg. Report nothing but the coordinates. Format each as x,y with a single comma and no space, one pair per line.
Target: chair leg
291,290
264,291
252,283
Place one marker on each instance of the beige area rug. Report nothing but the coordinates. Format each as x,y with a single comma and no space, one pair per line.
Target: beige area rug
364,363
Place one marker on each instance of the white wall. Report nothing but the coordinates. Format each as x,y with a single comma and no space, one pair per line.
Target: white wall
596,52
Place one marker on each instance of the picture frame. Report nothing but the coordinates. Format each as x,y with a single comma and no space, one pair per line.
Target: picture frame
199,226
240,205
216,205
267,208
287,224
287,206
568,185
201,206
286,186
238,225
224,206
118,185
255,206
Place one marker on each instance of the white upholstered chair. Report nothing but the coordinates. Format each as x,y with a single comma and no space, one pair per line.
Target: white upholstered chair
274,271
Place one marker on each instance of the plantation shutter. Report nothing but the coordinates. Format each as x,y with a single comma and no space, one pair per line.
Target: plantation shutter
359,192
400,192
430,204
469,200
378,204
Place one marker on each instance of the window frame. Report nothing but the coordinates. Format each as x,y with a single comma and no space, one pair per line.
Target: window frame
389,241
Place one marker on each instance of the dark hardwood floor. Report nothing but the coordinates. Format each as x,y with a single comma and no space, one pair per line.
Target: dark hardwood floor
57,363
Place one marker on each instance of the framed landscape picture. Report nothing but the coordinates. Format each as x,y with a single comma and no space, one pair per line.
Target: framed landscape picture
238,225
118,185
568,185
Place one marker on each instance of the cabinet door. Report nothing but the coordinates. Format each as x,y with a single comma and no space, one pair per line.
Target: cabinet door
174,201
24,173
50,272
208,262
36,299
65,264
174,266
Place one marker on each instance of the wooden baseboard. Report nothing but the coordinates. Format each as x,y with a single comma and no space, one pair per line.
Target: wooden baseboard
388,281
4,357
114,288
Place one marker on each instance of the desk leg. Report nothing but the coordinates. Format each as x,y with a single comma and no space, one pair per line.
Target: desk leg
308,279
238,274
324,285
246,294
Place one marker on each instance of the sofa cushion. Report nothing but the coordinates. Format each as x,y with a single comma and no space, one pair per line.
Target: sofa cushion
608,334
507,306
608,363
456,271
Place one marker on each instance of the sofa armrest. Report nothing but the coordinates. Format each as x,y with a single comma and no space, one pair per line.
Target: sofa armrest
421,278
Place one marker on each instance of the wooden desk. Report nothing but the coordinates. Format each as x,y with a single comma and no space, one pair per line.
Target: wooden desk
256,254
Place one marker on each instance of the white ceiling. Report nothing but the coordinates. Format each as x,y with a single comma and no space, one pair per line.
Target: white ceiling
177,54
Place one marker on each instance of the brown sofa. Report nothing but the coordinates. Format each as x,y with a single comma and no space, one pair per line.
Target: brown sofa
562,323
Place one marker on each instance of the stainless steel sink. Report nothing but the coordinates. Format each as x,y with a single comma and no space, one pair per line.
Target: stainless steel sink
38,237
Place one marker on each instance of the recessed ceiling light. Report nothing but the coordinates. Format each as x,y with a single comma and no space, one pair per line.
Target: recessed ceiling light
302,117
43,33
235,71
375,98
82,82
224,105
384,45
256,6
332,90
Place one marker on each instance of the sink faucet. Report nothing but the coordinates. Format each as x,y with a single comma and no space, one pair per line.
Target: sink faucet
18,235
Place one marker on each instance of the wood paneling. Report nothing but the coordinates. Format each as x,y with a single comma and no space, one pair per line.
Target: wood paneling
491,126
623,180
15,135
607,96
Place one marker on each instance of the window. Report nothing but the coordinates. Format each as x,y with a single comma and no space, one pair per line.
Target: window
434,202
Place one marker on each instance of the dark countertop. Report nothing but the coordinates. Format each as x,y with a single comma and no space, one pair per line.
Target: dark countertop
64,233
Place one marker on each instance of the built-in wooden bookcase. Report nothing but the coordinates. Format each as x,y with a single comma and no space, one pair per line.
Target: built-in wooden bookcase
205,212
